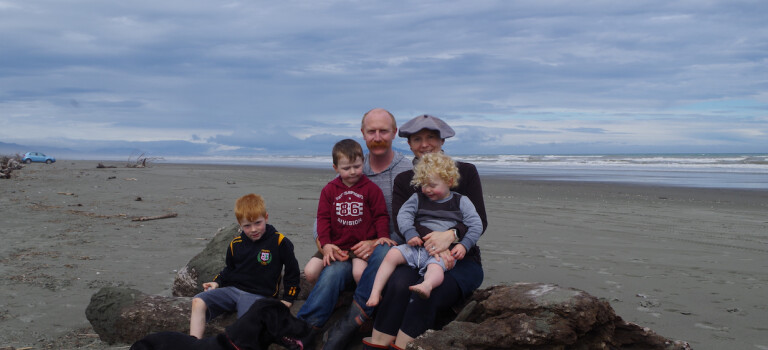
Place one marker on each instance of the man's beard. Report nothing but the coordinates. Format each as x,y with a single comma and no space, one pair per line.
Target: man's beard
377,145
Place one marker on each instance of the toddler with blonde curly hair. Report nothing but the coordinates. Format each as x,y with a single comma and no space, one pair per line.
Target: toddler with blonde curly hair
434,208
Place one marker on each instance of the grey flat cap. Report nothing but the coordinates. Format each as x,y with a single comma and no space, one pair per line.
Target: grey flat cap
428,122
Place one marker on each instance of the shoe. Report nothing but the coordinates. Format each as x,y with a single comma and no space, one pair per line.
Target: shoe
367,345
341,333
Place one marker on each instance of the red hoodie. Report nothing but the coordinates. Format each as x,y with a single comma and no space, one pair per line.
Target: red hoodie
347,215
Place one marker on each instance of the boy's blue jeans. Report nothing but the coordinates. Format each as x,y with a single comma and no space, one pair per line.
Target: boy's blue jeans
332,281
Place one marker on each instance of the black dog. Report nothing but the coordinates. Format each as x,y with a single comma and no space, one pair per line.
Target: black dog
267,321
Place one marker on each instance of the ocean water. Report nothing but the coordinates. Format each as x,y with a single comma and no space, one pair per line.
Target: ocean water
735,171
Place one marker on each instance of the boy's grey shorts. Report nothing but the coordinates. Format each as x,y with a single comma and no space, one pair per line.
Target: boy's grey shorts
418,258
227,299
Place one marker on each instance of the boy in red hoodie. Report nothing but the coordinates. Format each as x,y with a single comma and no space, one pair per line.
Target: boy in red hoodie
351,209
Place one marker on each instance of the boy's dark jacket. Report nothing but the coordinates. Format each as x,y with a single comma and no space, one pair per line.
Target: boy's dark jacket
255,267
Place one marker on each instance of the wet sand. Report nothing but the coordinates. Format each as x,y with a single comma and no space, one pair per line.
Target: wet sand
691,264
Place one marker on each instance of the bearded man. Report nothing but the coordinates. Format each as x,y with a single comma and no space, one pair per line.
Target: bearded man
381,165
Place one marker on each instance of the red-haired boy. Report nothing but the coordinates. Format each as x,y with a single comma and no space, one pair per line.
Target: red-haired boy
254,263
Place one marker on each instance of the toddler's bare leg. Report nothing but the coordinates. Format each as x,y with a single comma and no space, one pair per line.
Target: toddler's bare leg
391,260
312,269
432,278
358,266
197,318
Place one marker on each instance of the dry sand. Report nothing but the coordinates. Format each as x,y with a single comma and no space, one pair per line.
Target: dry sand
691,264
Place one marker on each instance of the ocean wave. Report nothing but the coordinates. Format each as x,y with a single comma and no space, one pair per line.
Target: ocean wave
757,161
746,171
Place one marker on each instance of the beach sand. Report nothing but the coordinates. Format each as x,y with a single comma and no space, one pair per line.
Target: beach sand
691,264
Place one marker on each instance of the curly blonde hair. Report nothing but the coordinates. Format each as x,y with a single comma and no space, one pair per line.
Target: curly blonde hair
435,164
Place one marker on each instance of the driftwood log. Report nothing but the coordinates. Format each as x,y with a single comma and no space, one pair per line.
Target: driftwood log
157,217
8,165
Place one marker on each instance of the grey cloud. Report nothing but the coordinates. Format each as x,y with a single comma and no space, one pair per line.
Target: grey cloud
265,68
587,130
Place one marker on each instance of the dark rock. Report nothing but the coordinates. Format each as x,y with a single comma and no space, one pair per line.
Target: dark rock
540,316
124,315
205,265
520,316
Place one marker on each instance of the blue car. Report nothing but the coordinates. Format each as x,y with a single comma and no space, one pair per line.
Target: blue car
30,157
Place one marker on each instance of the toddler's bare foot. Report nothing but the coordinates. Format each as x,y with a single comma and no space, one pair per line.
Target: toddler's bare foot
422,289
373,300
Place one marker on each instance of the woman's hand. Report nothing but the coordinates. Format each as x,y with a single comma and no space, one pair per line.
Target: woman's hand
438,241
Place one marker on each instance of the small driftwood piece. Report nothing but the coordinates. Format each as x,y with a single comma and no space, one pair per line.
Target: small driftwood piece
7,166
147,218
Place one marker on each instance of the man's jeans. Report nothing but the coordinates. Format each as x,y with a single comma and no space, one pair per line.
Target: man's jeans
332,281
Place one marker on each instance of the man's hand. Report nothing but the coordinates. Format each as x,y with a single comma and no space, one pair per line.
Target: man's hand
363,249
288,304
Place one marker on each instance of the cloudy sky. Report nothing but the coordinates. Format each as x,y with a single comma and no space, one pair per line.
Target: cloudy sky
211,77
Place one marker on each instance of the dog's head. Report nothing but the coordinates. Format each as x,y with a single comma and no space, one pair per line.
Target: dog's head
267,321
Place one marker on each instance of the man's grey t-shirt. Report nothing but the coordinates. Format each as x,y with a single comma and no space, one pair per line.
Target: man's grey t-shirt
385,180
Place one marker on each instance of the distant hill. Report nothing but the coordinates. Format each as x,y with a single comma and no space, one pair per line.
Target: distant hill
127,149
12,148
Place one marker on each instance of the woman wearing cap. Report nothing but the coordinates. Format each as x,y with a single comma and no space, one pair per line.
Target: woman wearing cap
402,316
